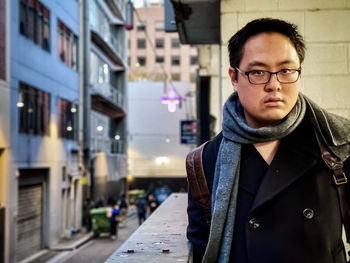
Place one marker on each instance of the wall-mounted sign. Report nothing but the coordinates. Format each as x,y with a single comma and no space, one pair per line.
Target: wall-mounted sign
189,132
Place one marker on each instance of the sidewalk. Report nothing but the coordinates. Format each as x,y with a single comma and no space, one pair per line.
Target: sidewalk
60,250
65,247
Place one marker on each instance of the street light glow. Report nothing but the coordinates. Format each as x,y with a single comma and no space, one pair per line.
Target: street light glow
162,160
20,104
99,128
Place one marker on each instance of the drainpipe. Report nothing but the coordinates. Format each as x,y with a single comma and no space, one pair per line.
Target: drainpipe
85,103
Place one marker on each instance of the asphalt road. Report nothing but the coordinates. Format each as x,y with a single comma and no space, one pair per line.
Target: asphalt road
100,249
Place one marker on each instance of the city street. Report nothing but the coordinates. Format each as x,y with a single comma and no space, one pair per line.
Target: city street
100,249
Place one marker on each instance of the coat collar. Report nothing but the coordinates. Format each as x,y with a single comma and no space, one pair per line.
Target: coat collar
297,153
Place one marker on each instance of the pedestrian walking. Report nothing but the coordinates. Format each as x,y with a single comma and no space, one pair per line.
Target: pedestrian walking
123,210
115,221
141,206
272,195
152,204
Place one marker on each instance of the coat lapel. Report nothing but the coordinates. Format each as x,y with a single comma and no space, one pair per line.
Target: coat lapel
289,164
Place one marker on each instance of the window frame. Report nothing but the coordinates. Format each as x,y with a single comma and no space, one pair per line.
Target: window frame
142,58
141,46
34,114
175,43
174,59
34,22
159,43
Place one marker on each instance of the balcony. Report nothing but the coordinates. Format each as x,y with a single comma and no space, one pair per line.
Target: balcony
104,30
117,7
109,44
107,100
107,145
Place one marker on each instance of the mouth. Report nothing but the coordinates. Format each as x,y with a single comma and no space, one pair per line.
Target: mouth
273,101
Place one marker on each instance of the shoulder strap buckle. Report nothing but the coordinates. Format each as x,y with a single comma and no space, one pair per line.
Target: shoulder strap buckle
340,178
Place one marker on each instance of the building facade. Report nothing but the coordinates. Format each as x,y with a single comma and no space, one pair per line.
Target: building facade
155,55
45,180
105,70
5,149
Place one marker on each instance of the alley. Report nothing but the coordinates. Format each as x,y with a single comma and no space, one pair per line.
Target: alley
99,249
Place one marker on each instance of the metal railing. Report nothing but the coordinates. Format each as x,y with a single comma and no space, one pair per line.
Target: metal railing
110,92
101,25
107,145
161,238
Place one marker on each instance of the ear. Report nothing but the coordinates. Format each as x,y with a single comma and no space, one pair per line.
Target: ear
233,76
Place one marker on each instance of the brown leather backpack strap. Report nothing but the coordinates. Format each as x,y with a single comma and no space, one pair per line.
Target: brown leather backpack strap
197,182
340,179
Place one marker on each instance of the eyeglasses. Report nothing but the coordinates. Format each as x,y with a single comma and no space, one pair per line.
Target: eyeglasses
284,76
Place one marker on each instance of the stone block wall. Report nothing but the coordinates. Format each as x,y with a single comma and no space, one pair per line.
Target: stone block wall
325,26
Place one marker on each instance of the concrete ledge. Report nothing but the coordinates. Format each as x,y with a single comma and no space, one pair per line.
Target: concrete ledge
161,238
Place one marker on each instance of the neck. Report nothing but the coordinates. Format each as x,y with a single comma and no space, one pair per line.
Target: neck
267,150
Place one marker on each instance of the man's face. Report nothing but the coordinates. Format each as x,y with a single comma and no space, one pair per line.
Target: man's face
266,104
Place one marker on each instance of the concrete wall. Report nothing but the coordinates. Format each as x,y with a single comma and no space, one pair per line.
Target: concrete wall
325,26
43,70
150,124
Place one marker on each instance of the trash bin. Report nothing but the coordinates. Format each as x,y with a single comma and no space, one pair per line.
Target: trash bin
100,222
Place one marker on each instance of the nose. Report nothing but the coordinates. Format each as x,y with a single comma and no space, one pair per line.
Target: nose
273,83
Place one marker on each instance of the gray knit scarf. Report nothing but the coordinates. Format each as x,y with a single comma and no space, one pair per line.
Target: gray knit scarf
335,131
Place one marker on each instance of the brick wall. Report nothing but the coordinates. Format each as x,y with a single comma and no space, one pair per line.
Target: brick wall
2,40
325,26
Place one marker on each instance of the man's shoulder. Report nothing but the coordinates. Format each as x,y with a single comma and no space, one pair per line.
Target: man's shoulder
212,148
209,158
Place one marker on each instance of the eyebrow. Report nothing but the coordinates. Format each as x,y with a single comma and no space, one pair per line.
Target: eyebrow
261,64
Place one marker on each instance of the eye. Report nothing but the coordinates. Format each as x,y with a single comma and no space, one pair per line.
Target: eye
257,73
287,71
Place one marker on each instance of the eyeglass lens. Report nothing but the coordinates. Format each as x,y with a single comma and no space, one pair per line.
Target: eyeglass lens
262,77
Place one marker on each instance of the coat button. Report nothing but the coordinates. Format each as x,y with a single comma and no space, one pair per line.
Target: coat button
254,223
308,213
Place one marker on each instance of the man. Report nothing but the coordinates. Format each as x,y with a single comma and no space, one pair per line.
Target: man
141,206
152,204
273,199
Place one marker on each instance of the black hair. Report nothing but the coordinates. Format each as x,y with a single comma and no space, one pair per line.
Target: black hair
263,25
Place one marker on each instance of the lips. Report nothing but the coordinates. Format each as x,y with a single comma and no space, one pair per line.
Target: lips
273,101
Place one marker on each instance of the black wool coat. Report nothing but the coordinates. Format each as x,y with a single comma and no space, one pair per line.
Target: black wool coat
295,216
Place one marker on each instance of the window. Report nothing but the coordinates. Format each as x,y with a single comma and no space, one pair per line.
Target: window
141,61
67,115
99,71
175,43
159,59
34,22
141,43
141,26
159,26
34,110
175,76
175,60
67,46
193,60
129,61
159,43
